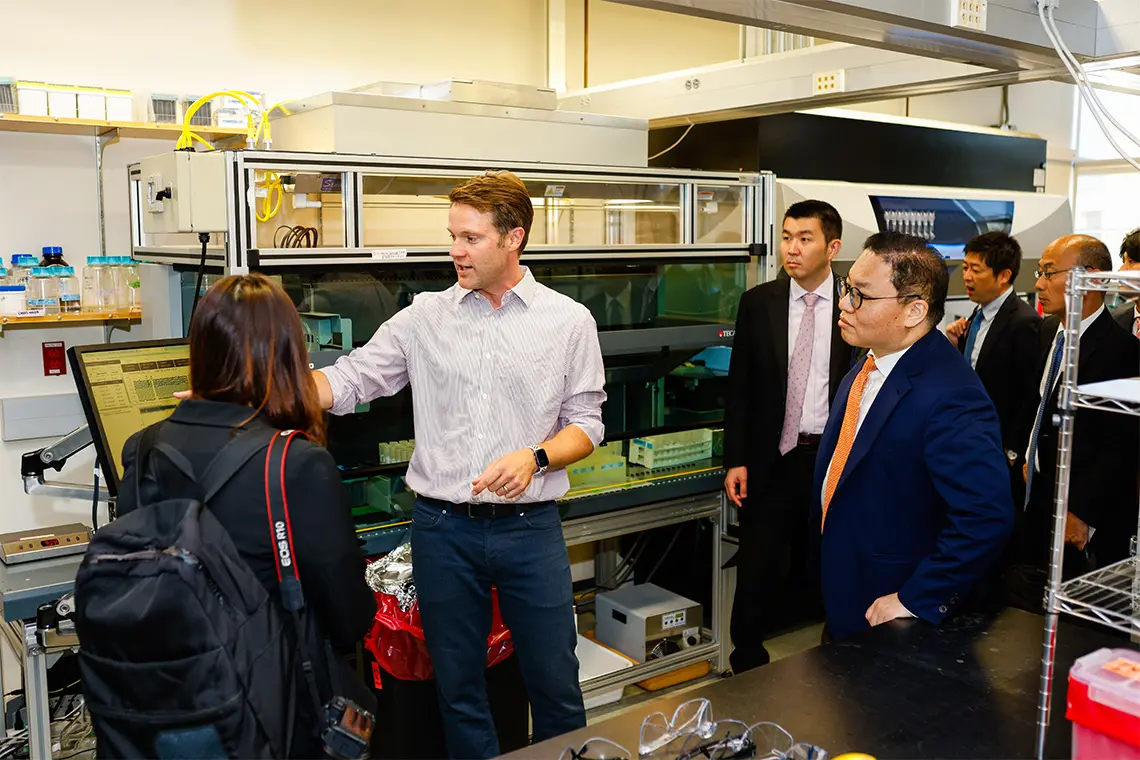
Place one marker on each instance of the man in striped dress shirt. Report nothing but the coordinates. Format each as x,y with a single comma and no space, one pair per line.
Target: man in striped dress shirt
507,383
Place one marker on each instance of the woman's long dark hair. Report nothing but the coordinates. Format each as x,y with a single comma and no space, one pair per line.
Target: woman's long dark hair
247,347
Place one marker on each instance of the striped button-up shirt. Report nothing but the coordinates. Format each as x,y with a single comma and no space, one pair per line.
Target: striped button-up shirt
485,382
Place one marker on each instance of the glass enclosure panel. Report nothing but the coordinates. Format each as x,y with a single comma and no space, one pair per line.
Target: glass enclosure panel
627,296
721,214
664,408
412,211
651,392
299,210
352,304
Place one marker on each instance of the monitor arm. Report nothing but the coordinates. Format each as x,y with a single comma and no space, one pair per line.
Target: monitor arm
34,464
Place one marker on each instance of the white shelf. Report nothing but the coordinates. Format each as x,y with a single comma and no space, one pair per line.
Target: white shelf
1110,596
1121,396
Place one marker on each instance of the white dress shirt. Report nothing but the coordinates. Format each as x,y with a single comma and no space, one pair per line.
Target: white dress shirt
485,382
989,312
1045,374
814,418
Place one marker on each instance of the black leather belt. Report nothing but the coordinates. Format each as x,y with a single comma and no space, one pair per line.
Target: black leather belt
482,511
809,440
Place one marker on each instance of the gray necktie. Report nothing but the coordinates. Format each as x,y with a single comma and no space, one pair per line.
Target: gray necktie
798,370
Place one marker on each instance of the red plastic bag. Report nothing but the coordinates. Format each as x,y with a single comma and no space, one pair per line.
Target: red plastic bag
397,639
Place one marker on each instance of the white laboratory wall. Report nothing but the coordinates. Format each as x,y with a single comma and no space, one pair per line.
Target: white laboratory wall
628,42
47,197
284,48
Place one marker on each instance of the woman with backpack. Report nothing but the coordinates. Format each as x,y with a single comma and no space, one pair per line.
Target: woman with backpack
251,382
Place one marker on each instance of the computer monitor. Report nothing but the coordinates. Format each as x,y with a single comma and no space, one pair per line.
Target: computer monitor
124,387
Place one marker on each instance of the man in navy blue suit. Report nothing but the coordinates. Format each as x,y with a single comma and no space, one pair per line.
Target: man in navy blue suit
911,482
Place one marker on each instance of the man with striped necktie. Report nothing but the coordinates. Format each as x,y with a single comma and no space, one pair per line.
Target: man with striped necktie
911,482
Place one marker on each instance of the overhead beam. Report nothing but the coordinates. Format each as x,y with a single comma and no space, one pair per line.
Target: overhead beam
784,82
1014,38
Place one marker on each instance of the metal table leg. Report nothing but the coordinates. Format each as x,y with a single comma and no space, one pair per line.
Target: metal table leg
719,631
36,694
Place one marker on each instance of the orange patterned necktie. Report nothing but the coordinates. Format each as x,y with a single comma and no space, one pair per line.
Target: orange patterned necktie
846,434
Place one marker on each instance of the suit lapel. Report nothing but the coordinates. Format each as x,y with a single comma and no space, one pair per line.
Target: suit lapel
1090,344
1001,321
894,389
778,323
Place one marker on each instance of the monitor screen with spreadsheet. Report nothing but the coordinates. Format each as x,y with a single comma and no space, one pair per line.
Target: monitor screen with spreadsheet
125,387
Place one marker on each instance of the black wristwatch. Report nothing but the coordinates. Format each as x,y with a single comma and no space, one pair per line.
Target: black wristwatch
541,461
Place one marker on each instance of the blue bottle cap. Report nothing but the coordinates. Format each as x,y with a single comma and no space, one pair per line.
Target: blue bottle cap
51,249
64,271
12,289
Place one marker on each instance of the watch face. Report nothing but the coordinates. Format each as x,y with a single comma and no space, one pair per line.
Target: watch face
541,458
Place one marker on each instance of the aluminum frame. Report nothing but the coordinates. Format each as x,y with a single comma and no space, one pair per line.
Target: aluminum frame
239,252
1068,597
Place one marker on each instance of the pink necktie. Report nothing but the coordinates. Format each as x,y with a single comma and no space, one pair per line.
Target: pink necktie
798,369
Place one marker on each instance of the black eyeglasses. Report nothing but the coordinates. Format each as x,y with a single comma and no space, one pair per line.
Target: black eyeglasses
1048,275
847,290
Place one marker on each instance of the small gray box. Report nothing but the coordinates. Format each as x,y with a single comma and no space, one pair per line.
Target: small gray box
636,620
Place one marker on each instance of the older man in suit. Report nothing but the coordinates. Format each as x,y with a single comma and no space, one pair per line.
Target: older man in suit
912,492
1103,472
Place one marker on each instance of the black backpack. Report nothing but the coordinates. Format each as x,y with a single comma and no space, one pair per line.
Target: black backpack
183,653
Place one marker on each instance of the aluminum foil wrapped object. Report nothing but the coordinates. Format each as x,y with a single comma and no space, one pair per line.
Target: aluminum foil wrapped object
392,575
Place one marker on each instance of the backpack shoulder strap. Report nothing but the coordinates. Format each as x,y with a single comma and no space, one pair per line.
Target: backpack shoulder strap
232,457
220,470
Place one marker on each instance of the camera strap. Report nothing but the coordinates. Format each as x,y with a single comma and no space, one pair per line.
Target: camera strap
281,530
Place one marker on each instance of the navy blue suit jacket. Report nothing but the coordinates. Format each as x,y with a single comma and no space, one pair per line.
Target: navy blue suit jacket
923,507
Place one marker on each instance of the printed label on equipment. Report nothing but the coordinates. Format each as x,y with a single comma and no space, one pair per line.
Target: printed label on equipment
31,313
555,191
673,620
389,254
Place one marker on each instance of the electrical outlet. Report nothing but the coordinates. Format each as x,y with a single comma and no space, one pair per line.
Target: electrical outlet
827,82
968,14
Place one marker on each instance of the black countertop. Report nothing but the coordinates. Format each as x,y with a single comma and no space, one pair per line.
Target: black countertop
902,690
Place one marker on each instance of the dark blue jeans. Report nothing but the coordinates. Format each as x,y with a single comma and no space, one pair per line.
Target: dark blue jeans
457,559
